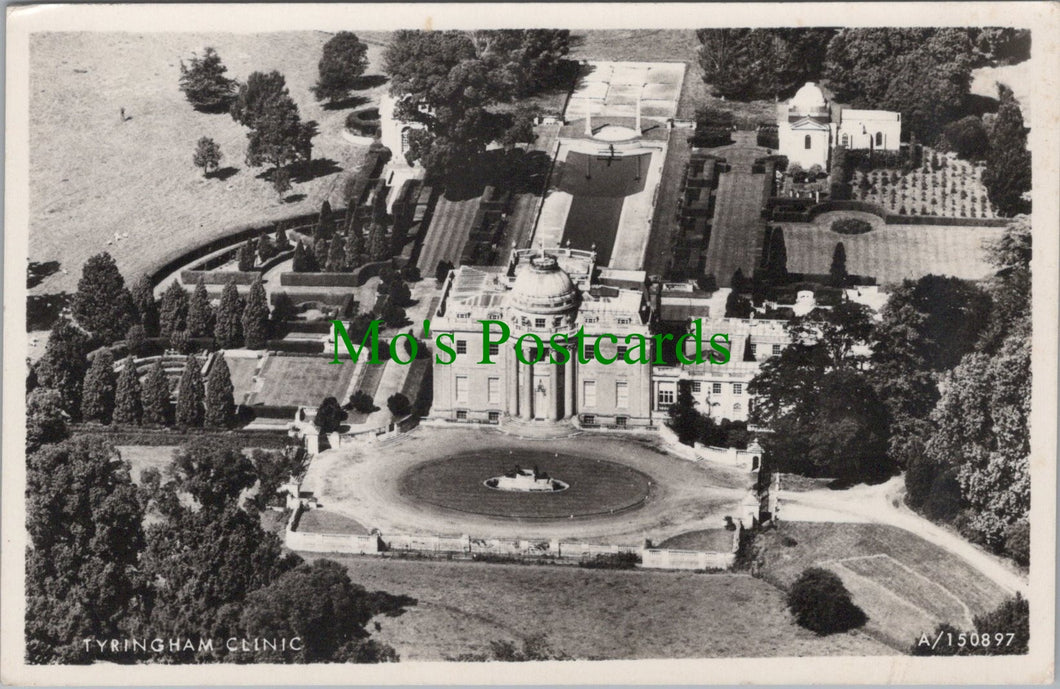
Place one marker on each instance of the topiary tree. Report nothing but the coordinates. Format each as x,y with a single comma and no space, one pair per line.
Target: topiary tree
336,254
266,249
329,416
128,407
320,254
204,83
378,248
821,603
220,403
174,312
737,306
190,395
300,262
399,405
393,315
354,249
97,402
63,366
207,155
156,394
325,227
838,269
343,61
256,317
245,257
229,326
102,305
146,306
200,313
280,240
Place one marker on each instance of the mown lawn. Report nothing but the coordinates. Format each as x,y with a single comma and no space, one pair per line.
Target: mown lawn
904,584
93,175
891,253
301,380
462,606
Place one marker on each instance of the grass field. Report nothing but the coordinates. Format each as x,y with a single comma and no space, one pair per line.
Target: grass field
242,372
322,521
141,457
890,253
904,584
298,380
461,607
93,175
595,486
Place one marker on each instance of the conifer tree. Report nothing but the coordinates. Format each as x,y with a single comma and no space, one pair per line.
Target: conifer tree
1008,162
156,394
200,313
377,245
62,368
128,406
256,317
300,262
266,249
220,404
97,402
190,395
325,222
245,258
354,249
229,327
204,83
174,313
320,254
146,305
280,240
336,254
838,270
102,305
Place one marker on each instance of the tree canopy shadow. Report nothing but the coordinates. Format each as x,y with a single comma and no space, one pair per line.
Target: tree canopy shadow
222,173
368,81
294,198
38,271
320,167
345,103
389,604
42,310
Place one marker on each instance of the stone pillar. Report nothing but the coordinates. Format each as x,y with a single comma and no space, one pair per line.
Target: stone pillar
640,94
568,386
588,118
526,403
511,370
553,392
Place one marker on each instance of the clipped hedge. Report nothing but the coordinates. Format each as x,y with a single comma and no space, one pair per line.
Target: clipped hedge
295,346
218,277
851,226
154,437
319,280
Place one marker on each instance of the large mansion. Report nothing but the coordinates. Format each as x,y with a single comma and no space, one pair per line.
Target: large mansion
560,291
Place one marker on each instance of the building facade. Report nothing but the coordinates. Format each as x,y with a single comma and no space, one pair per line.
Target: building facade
809,127
544,298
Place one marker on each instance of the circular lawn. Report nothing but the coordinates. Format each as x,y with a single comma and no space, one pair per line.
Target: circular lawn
596,486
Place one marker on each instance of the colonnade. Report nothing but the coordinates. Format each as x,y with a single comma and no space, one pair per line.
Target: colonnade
541,399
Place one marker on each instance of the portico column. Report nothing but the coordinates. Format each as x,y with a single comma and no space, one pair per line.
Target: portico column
553,391
526,409
568,386
511,366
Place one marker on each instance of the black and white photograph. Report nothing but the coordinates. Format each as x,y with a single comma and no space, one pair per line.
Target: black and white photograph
507,343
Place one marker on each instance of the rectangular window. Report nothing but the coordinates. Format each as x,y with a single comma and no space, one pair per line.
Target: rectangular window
623,321
754,350
495,416
539,322
666,397
493,390
495,350
622,349
589,393
461,346
737,388
697,386
461,415
589,420
776,349
590,351
622,394
715,388
461,389
620,421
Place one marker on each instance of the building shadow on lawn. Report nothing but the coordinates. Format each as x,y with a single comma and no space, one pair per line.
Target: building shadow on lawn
39,271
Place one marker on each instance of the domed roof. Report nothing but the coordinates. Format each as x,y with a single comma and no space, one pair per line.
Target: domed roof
541,286
808,97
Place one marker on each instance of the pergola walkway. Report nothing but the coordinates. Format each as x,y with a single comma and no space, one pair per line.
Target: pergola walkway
738,229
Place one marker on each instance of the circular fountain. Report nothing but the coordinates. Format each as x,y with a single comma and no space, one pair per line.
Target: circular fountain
526,481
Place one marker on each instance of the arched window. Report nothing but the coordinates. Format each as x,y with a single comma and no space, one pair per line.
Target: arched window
846,140
808,141
879,138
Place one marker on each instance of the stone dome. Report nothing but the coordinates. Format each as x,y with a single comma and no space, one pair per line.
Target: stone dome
541,286
809,100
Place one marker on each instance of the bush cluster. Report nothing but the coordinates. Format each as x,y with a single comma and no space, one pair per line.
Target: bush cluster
851,226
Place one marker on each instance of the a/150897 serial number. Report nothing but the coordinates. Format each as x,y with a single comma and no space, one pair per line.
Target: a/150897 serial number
967,640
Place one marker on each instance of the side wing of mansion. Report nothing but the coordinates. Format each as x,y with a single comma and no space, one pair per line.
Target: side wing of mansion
544,293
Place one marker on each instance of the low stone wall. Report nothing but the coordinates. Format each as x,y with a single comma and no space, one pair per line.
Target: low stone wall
354,544
685,559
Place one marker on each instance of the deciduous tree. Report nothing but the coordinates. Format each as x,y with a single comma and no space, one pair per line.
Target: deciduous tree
214,472
63,365
329,416
343,61
207,155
